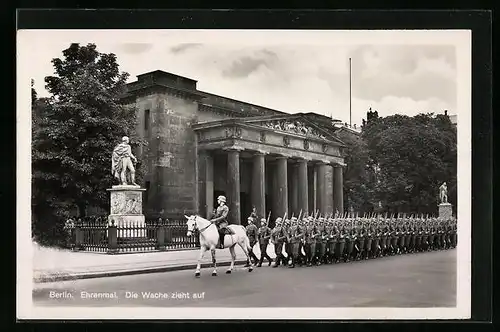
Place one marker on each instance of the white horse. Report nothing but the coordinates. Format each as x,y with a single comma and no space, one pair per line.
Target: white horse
209,237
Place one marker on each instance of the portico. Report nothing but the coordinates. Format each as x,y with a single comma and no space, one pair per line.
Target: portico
276,164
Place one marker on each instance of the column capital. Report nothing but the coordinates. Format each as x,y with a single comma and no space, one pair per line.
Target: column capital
259,153
303,159
339,164
322,162
233,149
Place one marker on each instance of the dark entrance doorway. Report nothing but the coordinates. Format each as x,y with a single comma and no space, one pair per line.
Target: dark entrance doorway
245,207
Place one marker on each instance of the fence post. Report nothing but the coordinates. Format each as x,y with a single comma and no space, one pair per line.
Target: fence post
112,239
78,237
160,236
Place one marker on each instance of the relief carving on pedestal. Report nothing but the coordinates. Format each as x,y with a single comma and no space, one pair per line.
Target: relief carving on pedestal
121,204
325,148
306,144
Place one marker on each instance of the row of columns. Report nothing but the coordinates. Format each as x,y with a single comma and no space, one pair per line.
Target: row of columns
300,190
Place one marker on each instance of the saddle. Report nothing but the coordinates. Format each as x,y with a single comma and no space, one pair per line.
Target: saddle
223,231
226,231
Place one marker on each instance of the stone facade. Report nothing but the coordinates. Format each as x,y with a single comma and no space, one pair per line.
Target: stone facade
201,145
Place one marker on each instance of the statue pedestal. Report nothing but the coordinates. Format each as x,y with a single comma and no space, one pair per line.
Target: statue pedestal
126,211
445,211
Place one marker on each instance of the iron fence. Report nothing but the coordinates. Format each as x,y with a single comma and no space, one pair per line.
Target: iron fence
96,235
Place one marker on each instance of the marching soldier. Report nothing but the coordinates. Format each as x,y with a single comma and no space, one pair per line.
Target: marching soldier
369,240
331,241
432,235
302,241
294,238
252,236
310,247
321,241
350,241
264,234
287,244
360,241
278,238
341,242
454,234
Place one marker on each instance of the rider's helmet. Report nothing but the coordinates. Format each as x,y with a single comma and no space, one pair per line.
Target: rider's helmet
221,199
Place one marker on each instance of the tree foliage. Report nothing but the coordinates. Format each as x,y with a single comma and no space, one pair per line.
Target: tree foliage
76,129
358,182
410,158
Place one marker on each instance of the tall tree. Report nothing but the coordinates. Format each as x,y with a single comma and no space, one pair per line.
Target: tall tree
411,157
358,180
83,121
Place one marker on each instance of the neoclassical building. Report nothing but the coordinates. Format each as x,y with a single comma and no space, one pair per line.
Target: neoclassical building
202,145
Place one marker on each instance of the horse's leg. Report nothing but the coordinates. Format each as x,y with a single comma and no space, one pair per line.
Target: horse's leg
214,273
233,258
202,253
245,250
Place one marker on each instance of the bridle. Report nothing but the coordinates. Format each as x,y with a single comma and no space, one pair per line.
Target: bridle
202,229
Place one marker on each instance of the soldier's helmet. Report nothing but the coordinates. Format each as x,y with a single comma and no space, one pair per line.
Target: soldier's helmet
278,220
263,221
250,219
221,199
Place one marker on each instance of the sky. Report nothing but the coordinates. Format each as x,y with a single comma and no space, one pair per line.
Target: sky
291,73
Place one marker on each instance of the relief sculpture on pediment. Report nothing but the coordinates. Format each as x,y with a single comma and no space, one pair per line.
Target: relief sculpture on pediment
297,127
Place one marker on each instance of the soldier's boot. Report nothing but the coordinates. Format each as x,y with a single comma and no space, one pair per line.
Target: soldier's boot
221,240
277,260
292,264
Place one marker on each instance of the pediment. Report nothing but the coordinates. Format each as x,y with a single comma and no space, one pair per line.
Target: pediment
295,124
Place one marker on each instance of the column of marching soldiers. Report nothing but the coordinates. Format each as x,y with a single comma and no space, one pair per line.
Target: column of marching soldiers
315,240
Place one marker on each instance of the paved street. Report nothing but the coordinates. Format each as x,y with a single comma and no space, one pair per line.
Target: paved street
417,280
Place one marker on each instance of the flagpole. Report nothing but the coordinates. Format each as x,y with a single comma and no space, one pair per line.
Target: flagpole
350,93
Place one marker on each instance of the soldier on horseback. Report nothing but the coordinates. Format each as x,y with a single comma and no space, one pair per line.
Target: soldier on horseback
219,219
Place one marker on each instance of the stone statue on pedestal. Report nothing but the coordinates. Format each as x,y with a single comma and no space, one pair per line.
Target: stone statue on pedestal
121,162
443,193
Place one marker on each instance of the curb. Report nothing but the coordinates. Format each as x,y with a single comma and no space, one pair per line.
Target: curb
106,274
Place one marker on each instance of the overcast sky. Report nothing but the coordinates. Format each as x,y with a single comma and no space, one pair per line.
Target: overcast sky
295,77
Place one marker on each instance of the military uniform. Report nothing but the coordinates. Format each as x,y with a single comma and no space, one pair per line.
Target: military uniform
264,234
321,243
331,242
220,220
296,234
310,243
252,230
341,244
278,238
369,241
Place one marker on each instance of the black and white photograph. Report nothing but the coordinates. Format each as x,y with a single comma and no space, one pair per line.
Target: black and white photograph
277,174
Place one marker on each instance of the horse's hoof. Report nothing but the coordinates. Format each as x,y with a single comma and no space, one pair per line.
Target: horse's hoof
250,269
197,274
214,274
228,272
